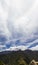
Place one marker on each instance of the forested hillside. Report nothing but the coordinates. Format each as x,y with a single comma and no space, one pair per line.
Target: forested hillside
18,57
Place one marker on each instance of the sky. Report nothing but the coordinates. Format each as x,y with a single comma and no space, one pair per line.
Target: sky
18,25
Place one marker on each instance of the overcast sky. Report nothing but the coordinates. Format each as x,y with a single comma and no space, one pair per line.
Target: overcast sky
18,24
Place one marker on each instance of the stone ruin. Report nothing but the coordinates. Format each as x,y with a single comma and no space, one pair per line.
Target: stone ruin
33,62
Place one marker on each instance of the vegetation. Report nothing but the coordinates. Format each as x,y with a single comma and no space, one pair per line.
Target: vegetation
17,57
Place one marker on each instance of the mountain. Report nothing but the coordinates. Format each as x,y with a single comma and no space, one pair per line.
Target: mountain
17,57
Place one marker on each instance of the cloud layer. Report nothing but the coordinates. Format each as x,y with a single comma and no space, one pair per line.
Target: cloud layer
18,24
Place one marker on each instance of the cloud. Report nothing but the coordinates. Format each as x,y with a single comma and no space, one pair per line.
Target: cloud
2,47
34,48
18,23
16,48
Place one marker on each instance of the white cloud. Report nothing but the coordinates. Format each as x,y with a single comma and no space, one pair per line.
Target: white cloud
16,48
34,42
19,20
26,24
1,46
34,48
